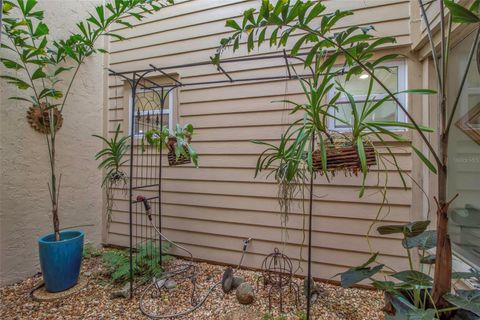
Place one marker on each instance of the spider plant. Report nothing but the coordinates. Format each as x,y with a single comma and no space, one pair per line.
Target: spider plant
112,159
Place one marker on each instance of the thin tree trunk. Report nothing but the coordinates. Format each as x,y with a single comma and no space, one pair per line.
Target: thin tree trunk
442,282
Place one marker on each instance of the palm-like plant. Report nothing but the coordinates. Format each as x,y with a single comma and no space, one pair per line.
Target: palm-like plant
43,63
112,159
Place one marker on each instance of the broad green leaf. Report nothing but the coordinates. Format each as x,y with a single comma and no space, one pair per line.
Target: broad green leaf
62,69
233,24
409,230
356,275
38,74
461,14
414,277
41,30
10,64
16,81
465,299
426,240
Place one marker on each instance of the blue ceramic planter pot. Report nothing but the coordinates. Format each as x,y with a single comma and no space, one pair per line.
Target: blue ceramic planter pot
61,260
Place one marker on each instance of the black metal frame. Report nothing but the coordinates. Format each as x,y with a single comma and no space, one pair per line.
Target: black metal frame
138,78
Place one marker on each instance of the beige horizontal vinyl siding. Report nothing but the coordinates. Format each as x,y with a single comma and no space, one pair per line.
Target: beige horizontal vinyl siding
212,208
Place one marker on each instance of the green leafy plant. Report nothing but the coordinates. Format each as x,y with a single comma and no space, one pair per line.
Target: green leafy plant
146,262
45,64
90,251
112,159
322,44
177,140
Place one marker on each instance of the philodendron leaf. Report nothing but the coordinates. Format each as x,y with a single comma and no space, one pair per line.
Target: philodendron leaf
414,277
430,259
465,299
426,240
356,274
404,310
409,230
388,286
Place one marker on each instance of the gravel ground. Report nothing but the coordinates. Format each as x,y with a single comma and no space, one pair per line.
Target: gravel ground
95,302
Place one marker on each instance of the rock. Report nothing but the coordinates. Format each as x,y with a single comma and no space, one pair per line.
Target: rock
160,283
237,281
170,284
245,294
88,273
227,280
122,293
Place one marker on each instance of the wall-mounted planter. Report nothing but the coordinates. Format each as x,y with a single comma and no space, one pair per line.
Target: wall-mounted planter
60,260
172,158
343,158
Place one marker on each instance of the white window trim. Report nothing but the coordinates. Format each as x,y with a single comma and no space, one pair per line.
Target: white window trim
403,98
168,111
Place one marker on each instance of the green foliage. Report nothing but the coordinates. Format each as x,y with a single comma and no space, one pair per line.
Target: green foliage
89,251
182,135
411,229
269,316
41,63
146,262
357,274
466,299
112,155
323,46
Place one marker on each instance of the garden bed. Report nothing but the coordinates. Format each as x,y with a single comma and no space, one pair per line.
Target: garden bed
95,301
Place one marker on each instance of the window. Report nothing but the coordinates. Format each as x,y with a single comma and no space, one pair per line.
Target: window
464,157
149,110
395,81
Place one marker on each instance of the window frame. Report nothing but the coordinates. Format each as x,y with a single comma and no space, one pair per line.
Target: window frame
402,85
165,111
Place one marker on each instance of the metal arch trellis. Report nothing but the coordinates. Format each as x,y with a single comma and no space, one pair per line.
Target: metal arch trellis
138,79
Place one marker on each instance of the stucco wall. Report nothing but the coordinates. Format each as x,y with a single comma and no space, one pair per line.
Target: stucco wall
24,200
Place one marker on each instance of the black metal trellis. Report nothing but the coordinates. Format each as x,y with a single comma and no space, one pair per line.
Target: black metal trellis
151,170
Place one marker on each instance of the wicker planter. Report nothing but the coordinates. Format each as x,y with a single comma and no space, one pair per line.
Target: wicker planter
172,158
343,158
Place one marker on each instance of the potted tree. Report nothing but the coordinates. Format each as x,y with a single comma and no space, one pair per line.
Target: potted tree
43,63
417,296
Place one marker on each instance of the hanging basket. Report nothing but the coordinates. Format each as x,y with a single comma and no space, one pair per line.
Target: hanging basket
172,157
343,158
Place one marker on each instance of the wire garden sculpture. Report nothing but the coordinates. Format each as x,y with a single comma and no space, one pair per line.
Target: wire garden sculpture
277,275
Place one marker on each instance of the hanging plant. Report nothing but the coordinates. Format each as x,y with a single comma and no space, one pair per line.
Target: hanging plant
112,157
177,142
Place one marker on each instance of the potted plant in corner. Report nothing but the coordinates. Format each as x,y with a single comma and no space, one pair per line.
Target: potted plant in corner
42,64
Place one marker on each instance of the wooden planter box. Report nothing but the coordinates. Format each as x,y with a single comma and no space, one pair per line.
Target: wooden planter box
172,158
343,158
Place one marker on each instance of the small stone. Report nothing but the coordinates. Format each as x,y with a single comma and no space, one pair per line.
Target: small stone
170,284
237,281
227,280
245,294
122,293
88,273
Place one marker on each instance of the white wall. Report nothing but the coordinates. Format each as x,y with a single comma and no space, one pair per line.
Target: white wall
24,200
